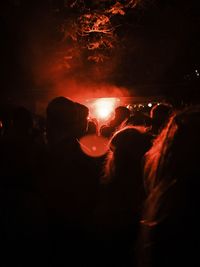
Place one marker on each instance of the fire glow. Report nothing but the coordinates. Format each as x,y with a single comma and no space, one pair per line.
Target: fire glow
103,108
93,145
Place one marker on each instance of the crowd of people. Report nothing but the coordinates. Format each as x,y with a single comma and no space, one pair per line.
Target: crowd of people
136,205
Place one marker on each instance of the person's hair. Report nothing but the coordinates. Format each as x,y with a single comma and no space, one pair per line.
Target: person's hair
175,148
140,119
61,112
172,172
122,113
106,131
127,147
61,119
160,115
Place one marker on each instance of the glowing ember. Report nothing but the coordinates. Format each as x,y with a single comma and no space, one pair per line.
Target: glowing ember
104,108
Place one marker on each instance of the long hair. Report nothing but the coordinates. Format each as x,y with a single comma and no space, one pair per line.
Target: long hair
172,173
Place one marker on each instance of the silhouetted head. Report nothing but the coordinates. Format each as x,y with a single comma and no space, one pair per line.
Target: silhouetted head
139,119
130,139
122,113
127,148
106,131
160,114
176,150
61,118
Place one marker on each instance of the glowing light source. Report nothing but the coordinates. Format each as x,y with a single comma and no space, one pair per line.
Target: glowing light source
130,107
197,73
104,107
150,105
93,145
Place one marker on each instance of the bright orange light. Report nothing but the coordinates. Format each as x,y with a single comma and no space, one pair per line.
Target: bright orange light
93,145
104,107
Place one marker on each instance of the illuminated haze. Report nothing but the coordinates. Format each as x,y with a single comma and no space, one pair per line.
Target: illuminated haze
78,56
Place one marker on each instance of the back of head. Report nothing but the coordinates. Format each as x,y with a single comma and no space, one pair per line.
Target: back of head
122,113
61,112
185,146
130,139
106,131
121,116
127,148
160,114
61,116
139,119
177,147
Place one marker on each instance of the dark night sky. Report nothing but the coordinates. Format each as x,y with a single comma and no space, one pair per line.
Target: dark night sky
158,53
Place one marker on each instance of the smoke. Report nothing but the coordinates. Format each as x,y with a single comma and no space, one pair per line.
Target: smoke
76,51
82,80
81,92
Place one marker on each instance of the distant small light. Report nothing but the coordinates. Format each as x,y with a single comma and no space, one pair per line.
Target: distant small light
150,105
158,104
196,71
129,107
197,74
